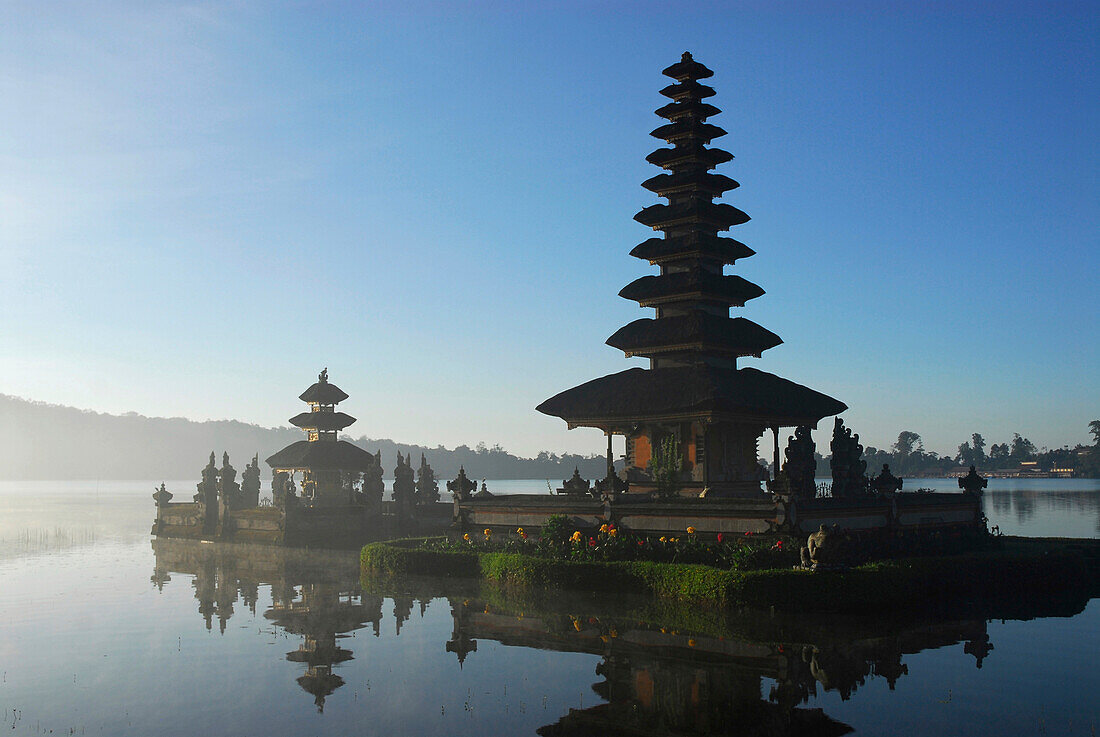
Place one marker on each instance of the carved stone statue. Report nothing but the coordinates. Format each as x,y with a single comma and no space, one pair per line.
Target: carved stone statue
822,548
228,488
973,483
250,484
576,486
208,487
847,464
373,485
161,496
800,465
404,486
427,488
461,487
886,482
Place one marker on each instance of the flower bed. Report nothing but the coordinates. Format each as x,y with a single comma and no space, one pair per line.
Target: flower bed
558,541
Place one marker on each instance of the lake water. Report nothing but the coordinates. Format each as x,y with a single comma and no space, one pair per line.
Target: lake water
107,632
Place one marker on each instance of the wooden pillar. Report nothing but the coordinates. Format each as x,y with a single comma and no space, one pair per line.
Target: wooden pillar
610,458
775,455
706,454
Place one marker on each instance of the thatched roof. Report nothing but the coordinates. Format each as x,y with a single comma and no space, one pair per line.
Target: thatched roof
689,128
694,108
323,392
717,214
669,157
637,395
695,180
695,331
692,245
689,88
687,68
340,455
695,284
322,420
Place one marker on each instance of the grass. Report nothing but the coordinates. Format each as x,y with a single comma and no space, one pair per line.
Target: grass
1018,567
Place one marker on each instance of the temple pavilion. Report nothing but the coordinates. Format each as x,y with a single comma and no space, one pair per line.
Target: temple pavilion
328,465
694,389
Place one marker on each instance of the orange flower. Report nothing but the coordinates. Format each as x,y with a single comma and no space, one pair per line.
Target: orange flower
691,530
466,537
488,532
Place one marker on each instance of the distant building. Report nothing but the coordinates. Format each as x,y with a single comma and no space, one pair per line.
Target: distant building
693,390
323,460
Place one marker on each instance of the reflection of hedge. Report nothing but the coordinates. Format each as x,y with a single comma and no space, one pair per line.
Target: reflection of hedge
1022,566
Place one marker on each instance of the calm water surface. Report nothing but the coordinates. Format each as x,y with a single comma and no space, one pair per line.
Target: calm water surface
107,632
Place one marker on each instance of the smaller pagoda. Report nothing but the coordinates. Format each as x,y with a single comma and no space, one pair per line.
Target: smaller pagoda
329,466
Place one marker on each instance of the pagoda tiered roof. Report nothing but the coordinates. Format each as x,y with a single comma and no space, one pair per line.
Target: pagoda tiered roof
690,89
695,180
672,157
694,332
694,108
339,455
323,392
322,420
322,451
688,129
696,284
693,343
717,215
702,246
692,392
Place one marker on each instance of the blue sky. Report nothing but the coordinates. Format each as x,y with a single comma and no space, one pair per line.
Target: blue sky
202,205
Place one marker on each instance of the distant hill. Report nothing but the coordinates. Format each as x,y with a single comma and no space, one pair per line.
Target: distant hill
48,441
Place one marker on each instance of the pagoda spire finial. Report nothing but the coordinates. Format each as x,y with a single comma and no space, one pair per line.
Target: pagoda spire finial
323,376
686,56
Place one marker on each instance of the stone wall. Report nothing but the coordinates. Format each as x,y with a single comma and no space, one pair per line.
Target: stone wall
722,515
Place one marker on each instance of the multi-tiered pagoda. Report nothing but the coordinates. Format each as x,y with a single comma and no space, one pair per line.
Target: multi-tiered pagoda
328,465
693,388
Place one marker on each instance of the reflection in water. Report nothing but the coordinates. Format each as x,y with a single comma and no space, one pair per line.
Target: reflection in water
660,671
1044,507
314,596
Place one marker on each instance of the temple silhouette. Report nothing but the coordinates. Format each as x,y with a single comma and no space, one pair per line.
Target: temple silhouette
693,390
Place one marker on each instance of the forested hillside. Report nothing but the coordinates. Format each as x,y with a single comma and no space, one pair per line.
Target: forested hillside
45,441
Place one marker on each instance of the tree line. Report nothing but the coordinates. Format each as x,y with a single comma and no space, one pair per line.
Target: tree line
907,456
48,441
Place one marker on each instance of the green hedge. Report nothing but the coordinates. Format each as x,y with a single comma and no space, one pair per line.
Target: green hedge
1025,568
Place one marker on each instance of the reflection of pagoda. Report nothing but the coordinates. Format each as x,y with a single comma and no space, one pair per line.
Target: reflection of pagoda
319,616
323,460
310,597
693,389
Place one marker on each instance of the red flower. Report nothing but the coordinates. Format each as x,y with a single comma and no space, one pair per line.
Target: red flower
719,537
